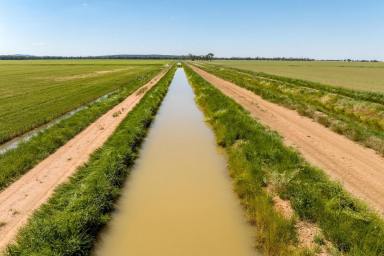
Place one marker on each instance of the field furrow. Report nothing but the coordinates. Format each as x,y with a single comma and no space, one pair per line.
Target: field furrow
32,94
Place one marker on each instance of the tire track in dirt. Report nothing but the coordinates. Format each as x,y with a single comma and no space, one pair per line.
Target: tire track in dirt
28,193
359,169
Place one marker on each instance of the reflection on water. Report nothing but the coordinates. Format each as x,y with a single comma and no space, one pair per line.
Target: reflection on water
178,200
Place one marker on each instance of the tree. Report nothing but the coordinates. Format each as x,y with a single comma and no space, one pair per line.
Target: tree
191,56
210,56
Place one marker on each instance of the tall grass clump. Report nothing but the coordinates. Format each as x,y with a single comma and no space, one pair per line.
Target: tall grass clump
355,114
256,155
70,221
16,162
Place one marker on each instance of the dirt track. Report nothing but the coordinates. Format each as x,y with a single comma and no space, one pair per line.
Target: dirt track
359,169
28,193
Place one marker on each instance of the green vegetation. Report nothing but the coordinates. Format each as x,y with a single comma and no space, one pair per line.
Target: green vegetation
357,115
365,76
257,157
33,93
69,223
16,162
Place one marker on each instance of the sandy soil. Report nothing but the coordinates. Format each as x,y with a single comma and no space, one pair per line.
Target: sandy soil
359,169
28,193
88,75
306,231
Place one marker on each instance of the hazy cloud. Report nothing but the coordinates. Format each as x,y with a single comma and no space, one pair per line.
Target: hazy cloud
39,44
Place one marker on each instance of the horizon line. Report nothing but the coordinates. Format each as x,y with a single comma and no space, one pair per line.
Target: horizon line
177,56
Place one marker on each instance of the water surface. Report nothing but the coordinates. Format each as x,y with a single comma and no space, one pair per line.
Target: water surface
178,199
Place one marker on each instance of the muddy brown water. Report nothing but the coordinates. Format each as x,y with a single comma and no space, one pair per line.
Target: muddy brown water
178,199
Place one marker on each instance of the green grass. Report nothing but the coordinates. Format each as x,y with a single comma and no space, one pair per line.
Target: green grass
357,115
89,62
35,92
16,162
257,155
353,75
69,223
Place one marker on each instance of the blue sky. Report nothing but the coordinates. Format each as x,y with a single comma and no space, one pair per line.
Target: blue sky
292,28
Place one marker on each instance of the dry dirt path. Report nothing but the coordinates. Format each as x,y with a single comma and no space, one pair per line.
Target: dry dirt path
19,200
359,169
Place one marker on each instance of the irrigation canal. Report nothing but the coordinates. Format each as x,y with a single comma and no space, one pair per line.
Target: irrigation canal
178,199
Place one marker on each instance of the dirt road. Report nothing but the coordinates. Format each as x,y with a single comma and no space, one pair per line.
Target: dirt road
28,193
359,169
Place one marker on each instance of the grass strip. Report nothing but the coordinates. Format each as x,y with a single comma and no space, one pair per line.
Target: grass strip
353,114
70,221
18,161
258,158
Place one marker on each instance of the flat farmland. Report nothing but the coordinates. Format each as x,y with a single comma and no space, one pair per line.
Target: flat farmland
366,76
35,92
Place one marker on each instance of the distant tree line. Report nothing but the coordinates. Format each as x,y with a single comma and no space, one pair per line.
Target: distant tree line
292,59
210,56
265,58
207,57
122,56
350,60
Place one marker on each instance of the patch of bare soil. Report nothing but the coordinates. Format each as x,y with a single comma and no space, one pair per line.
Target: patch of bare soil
23,197
360,170
283,207
88,75
309,235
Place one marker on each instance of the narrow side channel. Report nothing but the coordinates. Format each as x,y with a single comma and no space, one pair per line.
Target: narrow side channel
14,143
179,199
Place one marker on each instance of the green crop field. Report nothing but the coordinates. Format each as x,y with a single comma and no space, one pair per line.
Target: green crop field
364,76
35,92
356,114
